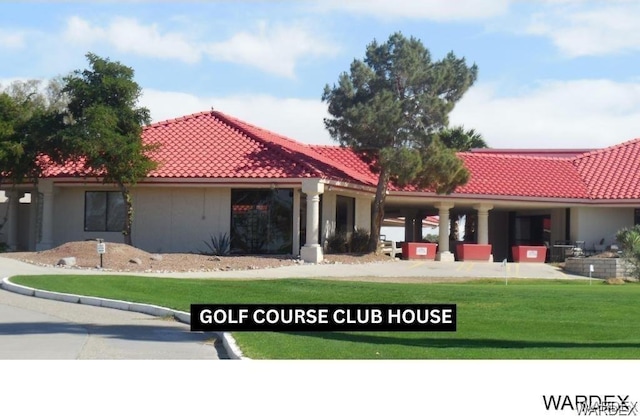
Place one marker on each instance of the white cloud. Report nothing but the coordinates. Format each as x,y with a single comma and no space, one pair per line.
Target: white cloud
580,29
127,35
11,40
555,114
437,10
273,48
298,119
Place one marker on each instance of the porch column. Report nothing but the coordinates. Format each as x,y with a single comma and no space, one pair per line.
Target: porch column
312,252
12,219
409,229
45,242
417,230
443,228
483,222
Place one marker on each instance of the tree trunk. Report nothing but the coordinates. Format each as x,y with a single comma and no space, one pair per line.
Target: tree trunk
378,210
128,222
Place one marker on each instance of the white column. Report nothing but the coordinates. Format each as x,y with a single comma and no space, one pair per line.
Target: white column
443,224
483,222
312,251
46,223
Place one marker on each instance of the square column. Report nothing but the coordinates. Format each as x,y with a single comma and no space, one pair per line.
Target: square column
443,228
12,218
312,251
44,240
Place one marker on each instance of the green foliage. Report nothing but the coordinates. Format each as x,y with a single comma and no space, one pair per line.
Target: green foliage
458,139
338,243
629,239
105,129
29,118
219,245
359,242
390,108
431,238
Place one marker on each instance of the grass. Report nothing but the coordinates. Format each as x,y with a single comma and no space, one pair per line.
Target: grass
533,319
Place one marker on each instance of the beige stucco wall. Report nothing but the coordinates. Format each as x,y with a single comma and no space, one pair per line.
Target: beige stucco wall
591,224
166,219
363,213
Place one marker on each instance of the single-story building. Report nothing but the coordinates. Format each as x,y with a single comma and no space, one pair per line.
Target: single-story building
274,195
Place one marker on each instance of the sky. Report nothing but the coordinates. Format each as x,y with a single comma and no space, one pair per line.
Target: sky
551,73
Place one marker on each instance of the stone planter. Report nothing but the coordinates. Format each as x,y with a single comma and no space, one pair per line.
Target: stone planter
473,252
602,267
529,254
419,251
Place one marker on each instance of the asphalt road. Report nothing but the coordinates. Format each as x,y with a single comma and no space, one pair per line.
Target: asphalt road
34,328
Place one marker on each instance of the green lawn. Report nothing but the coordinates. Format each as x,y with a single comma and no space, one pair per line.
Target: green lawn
526,319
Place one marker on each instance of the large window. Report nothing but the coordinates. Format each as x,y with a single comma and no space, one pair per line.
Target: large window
104,211
262,221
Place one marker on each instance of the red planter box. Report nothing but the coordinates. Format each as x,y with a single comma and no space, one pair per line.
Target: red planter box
473,252
419,251
529,254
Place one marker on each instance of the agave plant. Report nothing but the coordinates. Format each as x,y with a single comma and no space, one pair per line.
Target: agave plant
219,245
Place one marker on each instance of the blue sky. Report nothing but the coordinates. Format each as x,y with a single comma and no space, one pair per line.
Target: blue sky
552,73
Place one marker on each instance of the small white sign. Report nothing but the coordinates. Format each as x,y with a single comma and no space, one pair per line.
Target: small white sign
421,251
532,254
591,268
102,248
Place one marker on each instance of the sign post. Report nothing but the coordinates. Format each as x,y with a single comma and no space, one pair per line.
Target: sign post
102,249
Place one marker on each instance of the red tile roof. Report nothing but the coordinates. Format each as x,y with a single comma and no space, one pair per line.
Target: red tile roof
613,172
526,176
214,145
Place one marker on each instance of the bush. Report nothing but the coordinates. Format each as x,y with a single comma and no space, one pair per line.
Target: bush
629,239
360,241
337,243
220,245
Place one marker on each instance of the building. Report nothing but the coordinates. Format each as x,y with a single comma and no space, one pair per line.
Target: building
271,194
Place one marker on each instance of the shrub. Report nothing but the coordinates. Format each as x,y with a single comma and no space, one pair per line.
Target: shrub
629,239
337,243
220,245
360,241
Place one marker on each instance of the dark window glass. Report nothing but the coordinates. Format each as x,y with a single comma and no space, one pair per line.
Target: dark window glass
104,211
261,221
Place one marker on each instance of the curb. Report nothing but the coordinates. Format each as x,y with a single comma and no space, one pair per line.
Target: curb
228,342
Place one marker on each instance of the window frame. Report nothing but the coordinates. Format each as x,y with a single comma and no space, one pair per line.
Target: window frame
107,212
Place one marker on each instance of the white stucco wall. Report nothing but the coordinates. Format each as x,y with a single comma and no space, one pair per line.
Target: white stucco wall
165,219
591,224
363,213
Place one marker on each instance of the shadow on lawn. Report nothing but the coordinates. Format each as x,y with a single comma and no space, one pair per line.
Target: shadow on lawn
458,342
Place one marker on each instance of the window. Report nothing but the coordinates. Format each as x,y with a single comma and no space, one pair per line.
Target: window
261,221
104,211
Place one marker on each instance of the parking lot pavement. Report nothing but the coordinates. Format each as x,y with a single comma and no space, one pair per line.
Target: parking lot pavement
34,328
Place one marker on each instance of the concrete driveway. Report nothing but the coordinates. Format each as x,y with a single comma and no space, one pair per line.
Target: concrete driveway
34,328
